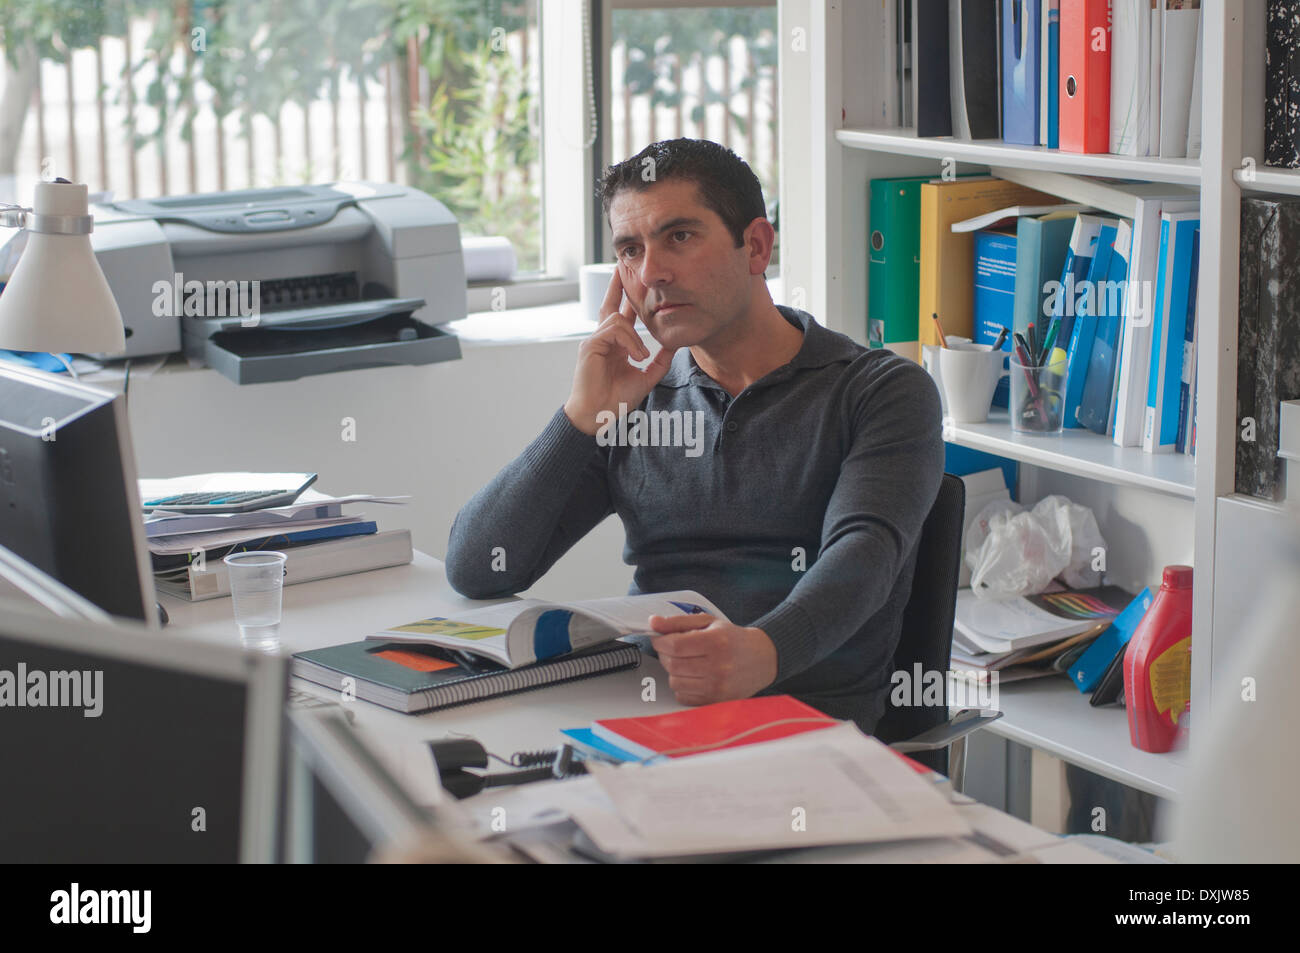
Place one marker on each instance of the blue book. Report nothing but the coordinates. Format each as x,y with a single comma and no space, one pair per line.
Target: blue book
1083,331
164,562
1168,331
1042,243
1186,383
1092,664
592,745
1053,63
1099,382
1078,259
1021,40
993,301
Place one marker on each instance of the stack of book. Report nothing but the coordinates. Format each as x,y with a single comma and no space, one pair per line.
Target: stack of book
1097,277
317,537
1090,76
1034,635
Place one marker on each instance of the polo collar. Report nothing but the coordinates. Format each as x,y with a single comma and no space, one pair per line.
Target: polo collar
820,348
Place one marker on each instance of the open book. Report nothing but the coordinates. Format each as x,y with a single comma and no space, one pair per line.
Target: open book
529,630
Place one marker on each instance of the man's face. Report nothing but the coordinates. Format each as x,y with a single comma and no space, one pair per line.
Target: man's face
679,265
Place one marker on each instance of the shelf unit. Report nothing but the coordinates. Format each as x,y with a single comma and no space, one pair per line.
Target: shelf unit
830,151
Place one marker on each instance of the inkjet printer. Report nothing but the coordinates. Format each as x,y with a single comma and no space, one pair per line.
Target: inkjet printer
348,275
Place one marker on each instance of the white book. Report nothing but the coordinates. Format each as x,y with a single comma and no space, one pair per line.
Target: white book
1130,77
1177,64
323,560
1134,363
880,52
1157,44
1194,114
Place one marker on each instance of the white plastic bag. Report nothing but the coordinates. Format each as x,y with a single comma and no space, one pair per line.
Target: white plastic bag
1012,551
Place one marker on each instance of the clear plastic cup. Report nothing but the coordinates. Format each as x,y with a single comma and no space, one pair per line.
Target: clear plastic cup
256,589
1037,396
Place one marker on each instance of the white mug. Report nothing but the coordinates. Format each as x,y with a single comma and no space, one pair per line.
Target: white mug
930,361
969,375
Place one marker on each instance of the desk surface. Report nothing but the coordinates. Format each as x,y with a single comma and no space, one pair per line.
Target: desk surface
349,608
1047,714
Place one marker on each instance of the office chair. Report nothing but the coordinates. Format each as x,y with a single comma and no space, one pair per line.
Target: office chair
926,732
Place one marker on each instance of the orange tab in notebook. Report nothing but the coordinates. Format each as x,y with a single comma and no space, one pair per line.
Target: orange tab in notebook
418,661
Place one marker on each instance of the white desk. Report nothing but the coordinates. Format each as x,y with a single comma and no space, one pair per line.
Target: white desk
349,608
335,611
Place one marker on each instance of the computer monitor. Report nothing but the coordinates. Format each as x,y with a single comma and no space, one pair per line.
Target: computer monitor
124,745
69,500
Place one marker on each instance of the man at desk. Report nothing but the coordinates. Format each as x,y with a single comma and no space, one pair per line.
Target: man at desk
805,467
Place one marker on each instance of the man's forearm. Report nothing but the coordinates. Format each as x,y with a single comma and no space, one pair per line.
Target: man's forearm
529,514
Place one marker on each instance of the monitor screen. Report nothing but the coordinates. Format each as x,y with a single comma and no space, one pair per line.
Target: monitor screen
69,502
127,746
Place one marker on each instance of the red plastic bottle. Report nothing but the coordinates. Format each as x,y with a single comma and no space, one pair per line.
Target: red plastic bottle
1158,664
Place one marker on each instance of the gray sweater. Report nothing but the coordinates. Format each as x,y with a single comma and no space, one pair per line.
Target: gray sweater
836,456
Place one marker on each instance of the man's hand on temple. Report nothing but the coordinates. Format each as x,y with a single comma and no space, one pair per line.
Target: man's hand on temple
603,378
710,660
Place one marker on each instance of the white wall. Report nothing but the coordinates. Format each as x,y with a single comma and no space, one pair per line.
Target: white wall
437,432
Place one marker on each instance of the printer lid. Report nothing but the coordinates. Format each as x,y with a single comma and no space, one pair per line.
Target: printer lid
247,211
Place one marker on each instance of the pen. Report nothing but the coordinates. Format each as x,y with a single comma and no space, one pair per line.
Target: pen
943,340
1033,344
1002,336
1052,331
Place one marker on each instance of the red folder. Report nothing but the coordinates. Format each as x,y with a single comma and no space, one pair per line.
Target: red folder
1085,76
702,729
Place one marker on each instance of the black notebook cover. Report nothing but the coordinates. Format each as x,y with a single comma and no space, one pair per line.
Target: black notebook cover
415,677
930,80
976,77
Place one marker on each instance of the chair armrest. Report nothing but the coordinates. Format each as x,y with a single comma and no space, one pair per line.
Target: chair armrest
941,736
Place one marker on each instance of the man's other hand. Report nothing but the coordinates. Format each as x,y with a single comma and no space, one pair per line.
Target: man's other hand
603,378
709,660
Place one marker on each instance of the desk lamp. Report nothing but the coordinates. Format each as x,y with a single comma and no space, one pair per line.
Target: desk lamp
57,298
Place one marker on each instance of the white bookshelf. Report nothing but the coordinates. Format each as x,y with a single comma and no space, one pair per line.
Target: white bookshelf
829,152
1082,453
995,152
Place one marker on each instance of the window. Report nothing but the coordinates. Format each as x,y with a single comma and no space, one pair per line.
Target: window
695,69
159,97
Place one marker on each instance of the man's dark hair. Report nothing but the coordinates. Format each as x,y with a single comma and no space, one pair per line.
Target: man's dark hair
726,184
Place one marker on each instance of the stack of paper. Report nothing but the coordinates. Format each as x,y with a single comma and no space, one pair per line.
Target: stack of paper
833,786
1030,636
318,538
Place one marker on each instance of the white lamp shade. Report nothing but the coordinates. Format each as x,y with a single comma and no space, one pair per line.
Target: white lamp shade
57,298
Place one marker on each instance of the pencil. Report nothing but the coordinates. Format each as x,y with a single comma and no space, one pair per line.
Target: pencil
943,341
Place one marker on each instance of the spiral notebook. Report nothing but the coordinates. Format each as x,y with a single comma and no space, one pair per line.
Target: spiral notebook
414,678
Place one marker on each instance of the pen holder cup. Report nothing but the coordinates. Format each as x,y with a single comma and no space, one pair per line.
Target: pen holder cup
1037,396
930,361
969,375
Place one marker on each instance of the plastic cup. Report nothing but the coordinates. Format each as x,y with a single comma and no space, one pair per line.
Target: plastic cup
256,589
1037,396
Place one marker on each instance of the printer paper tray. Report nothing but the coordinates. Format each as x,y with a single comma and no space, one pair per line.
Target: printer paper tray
260,355
336,315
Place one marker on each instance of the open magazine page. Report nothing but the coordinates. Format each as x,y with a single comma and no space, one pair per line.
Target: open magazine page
481,631
540,630
547,630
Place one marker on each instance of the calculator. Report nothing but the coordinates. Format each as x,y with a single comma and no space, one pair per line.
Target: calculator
223,492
